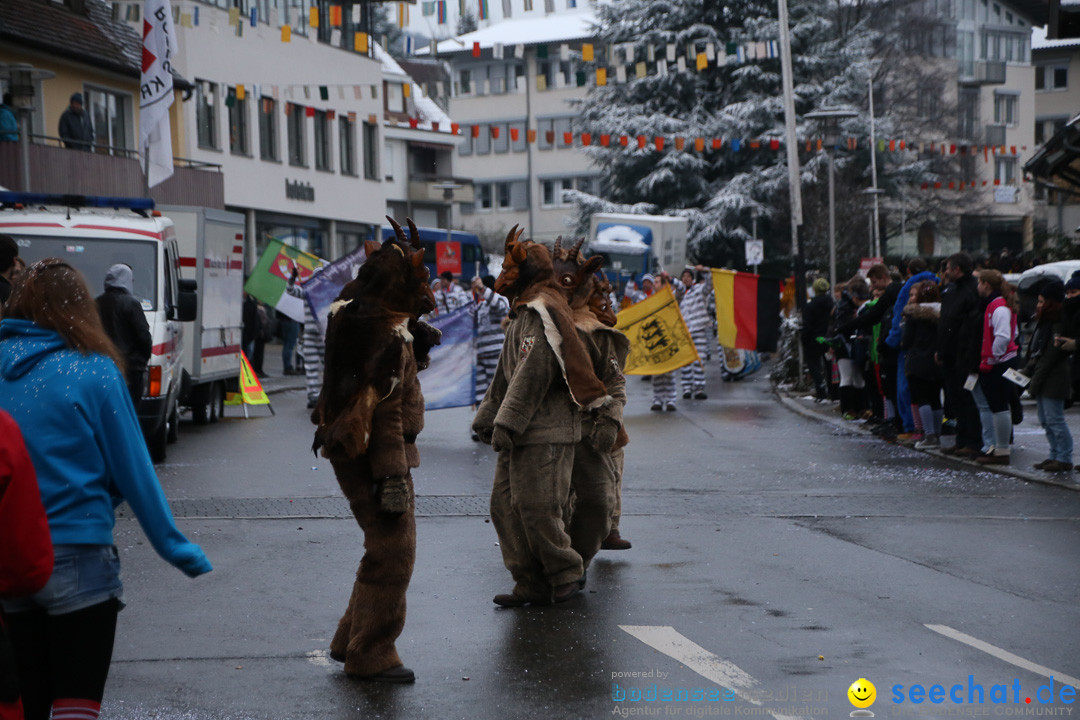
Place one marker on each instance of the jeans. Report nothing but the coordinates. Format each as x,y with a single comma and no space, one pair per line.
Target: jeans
83,575
986,417
1052,418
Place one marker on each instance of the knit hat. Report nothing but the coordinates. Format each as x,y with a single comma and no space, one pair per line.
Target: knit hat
1053,290
821,286
648,277
1074,282
77,97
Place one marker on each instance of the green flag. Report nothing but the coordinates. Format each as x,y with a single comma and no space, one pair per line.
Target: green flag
270,278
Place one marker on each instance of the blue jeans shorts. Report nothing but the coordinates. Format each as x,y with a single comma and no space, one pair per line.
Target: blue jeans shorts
83,576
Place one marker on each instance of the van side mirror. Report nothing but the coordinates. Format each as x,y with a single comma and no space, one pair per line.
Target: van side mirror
187,302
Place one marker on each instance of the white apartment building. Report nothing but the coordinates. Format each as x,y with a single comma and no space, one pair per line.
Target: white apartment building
295,126
439,18
524,79
1057,100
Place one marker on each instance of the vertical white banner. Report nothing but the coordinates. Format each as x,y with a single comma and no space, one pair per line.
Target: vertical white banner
156,91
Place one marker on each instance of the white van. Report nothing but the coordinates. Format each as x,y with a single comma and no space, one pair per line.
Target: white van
94,233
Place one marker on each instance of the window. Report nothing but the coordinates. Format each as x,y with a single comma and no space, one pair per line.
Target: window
586,185
483,196
465,147
371,152
926,105
548,187
463,86
553,192
482,142
268,129
562,127
1005,170
497,78
206,113
502,195
968,116
1006,109
111,116
238,124
321,126
395,97
519,145
1051,77
297,136
347,145
501,144
545,135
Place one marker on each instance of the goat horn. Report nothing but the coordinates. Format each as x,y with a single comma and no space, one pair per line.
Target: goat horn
510,236
414,234
397,230
577,248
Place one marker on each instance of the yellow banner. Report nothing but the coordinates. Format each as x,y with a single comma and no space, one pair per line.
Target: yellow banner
659,340
251,390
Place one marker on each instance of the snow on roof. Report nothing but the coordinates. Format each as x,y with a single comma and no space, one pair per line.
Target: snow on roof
1039,40
427,110
563,27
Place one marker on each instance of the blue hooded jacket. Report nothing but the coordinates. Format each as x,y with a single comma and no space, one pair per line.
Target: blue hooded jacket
80,427
894,336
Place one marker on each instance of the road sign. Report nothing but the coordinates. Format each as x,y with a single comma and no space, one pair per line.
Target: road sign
755,252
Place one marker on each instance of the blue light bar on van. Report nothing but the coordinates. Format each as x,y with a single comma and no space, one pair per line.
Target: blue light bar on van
76,201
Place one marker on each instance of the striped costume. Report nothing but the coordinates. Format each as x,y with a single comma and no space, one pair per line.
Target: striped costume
698,310
488,312
312,350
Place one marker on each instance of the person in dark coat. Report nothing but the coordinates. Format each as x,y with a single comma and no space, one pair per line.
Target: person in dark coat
75,128
919,342
125,324
9,267
959,320
816,324
1048,366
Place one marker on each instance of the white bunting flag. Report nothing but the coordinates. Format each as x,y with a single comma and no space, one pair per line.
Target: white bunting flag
620,73
682,64
671,52
497,51
710,51
519,51
564,52
156,91
661,68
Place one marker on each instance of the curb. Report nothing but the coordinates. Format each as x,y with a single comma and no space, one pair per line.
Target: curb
796,407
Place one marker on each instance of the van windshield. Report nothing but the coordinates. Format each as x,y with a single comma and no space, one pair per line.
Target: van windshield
94,256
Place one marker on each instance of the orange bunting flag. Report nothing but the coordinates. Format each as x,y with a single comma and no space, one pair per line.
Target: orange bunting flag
641,140
549,137
568,138
586,139
774,144
755,144
699,144
309,111
335,16
476,131
660,144
892,146
819,145
476,49
717,143
680,143
455,128
515,133
495,131
605,140
530,136
624,140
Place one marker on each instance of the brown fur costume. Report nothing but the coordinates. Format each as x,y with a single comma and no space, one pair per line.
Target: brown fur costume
368,414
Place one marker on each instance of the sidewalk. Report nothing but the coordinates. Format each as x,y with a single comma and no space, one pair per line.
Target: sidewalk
275,380
1029,443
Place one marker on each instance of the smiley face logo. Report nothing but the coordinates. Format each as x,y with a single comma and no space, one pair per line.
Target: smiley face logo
862,693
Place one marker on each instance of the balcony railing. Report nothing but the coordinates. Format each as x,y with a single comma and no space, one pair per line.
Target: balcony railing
109,171
982,72
430,189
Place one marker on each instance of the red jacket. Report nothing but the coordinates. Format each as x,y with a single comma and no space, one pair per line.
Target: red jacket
26,553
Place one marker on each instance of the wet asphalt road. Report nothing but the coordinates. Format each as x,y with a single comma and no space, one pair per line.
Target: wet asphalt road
776,560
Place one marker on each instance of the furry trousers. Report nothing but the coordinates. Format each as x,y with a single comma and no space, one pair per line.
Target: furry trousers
375,616
592,491
530,495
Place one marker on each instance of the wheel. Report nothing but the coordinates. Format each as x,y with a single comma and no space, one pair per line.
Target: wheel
156,443
216,402
173,433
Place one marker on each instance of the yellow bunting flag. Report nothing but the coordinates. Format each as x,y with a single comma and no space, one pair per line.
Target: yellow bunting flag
406,90
702,61
601,77
286,33
251,390
241,92
234,16
360,42
659,339
640,70
587,52
313,19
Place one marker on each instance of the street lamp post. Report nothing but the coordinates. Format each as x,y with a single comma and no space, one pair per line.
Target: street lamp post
448,187
830,126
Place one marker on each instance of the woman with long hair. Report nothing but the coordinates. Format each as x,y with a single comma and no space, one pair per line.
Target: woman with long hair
61,379
992,392
919,342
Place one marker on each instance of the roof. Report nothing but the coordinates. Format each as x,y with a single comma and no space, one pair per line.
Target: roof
1058,160
1039,41
91,37
563,27
427,110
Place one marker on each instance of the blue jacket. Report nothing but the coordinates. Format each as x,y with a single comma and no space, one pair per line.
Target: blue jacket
9,125
894,336
84,441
